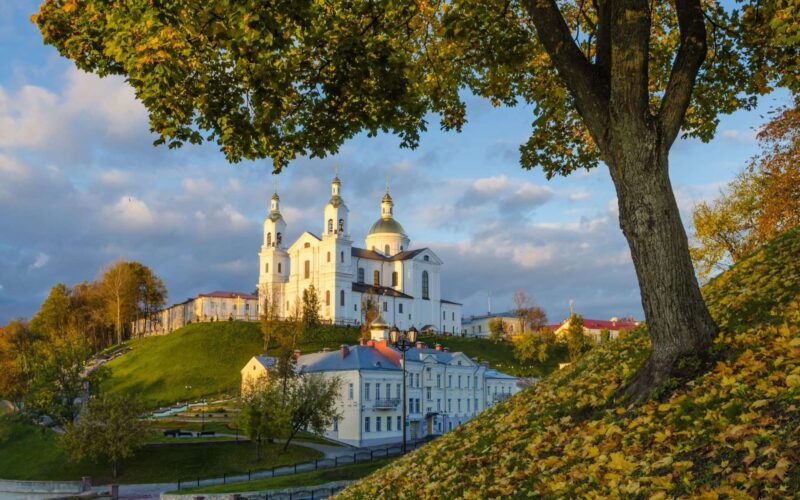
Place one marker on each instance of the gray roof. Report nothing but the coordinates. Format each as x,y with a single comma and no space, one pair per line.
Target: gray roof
492,373
387,225
380,290
369,254
443,301
266,361
358,357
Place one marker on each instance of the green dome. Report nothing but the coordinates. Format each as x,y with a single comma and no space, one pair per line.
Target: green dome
388,225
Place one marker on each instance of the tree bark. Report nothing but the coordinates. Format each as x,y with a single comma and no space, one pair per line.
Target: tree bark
678,320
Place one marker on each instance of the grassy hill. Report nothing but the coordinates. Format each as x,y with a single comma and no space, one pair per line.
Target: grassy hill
204,356
732,432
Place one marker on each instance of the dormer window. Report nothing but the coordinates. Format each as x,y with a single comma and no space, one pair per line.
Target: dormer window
426,258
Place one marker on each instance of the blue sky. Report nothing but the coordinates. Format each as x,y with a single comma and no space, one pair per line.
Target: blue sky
81,185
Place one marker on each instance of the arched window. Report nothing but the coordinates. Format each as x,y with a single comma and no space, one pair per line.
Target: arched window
425,285
341,298
426,258
341,225
376,278
266,267
269,239
386,249
341,257
394,278
307,245
330,225
279,268
327,297
307,269
278,239
360,274
329,256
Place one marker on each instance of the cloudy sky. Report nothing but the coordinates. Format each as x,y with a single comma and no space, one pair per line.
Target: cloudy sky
81,185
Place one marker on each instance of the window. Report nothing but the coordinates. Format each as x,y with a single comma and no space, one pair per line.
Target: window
341,298
335,424
394,278
330,225
476,405
449,381
426,258
386,249
269,239
388,390
417,375
307,269
459,405
307,245
266,267
360,274
438,380
425,285
341,257
469,409
428,393
400,308
438,405
278,239
398,390
279,268
411,405
341,225
377,424
385,306
443,316
475,381
377,391
328,257
366,390
454,316
388,423
327,297
350,392
399,423
376,278
459,381
449,405
366,424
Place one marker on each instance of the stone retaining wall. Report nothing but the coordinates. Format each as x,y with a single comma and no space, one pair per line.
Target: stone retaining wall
34,490
280,493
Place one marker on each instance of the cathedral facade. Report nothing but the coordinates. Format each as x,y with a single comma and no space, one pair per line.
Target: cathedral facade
405,283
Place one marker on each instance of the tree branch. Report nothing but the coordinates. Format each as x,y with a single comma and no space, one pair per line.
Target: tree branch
590,99
691,54
603,50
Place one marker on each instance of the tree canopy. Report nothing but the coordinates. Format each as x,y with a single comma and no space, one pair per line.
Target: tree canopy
282,79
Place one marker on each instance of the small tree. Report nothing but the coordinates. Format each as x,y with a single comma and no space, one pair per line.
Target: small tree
531,316
576,338
263,414
312,405
605,336
311,308
58,377
527,347
497,329
369,312
269,318
108,428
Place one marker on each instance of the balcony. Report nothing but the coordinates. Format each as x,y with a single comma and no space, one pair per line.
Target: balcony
386,404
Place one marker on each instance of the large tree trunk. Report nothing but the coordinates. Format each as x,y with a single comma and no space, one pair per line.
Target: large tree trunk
678,321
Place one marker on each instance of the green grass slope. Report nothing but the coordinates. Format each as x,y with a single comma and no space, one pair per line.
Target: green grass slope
205,356
733,432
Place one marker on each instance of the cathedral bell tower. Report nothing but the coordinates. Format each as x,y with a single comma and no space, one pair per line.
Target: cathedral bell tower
336,213
273,258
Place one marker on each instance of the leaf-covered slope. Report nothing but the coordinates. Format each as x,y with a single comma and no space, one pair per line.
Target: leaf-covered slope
734,431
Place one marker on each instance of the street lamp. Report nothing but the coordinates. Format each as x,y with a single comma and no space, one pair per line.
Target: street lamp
403,342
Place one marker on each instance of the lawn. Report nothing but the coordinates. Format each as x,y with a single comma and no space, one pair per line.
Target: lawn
201,359
31,452
322,476
500,355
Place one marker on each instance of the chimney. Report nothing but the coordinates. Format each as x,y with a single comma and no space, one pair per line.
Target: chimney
438,347
326,349
420,345
296,354
344,350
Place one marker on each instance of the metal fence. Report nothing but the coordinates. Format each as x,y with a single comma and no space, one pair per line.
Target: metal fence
363,455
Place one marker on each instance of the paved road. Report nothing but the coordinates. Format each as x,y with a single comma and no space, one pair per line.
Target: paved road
150,491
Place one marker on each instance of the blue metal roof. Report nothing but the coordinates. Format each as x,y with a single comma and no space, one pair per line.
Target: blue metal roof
358,357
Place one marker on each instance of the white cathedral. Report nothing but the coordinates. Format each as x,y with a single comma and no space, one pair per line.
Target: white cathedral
404,282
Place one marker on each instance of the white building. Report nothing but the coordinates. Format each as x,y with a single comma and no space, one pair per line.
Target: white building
405,282
214,306
478,326
444,389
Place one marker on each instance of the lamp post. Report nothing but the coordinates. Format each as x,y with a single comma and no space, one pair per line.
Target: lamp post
403,342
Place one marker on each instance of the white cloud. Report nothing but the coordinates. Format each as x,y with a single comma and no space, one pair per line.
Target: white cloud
578,195
131,213
490,185
740,136
40,261
115,178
